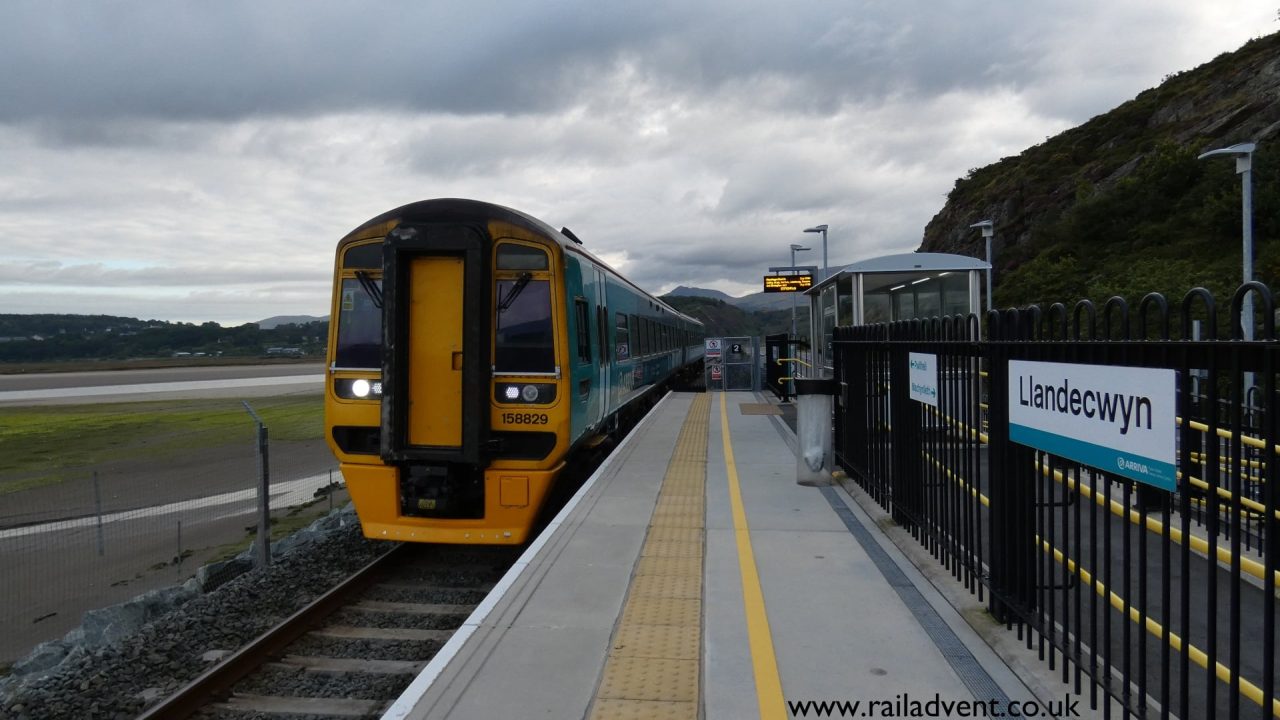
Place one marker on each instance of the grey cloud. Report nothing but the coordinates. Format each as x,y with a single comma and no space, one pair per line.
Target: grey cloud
53,273
227,60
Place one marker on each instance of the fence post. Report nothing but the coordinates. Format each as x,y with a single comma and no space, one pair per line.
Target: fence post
1013,478
97,505
264,491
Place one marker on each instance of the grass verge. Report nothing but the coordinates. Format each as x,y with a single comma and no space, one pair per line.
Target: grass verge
46,444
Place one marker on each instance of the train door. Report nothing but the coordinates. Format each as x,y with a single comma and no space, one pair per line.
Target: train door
435,318
604,347
435,351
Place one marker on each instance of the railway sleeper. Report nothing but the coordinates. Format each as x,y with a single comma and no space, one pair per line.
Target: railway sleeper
273,705
348,665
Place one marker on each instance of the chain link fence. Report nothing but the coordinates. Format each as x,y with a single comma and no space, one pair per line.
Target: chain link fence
101,503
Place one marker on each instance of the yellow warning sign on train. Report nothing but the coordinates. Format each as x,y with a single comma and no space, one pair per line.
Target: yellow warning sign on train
787,283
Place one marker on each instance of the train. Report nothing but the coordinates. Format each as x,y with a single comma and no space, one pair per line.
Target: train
473,352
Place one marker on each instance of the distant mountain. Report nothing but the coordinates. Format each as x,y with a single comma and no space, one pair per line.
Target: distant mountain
756,302
272,323
684,291
724,319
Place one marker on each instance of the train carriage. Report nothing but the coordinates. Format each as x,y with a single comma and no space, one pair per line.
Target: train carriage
472,350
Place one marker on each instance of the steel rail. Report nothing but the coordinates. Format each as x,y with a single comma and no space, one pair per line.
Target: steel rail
219,679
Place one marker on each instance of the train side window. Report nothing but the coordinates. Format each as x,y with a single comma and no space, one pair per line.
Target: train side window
583,321
521,257
622,338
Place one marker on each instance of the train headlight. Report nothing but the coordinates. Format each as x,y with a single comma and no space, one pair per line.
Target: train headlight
358,389
525,393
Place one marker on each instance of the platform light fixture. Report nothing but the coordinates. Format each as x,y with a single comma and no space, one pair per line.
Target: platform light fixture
821,229
988,231
1243,153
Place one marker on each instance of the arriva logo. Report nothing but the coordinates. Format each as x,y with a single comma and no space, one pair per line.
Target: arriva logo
1126,464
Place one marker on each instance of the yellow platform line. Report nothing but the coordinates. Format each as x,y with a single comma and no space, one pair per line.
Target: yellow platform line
654,667
764,662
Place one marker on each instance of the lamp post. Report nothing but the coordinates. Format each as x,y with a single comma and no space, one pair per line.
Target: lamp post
1243,153
822,229
794,248
988,230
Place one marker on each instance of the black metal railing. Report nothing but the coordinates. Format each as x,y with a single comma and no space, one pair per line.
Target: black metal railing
1164,603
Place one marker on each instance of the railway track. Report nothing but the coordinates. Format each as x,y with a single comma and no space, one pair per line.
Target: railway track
354,649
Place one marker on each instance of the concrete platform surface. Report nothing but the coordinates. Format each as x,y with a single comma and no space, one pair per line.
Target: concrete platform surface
802,598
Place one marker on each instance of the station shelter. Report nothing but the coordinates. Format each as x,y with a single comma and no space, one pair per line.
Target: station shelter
890,288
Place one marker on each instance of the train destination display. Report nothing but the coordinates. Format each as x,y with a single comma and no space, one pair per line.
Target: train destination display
787,283
1117,419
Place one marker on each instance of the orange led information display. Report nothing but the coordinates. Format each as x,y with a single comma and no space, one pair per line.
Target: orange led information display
787,283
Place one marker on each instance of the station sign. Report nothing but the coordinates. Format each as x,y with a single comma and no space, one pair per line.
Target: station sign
1117,419
787,283
922,378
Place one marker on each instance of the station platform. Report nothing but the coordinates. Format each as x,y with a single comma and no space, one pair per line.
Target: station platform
691,577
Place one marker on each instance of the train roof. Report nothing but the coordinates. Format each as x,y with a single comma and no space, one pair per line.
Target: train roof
464,210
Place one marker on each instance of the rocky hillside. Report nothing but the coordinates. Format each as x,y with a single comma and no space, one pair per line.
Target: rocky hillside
1120,205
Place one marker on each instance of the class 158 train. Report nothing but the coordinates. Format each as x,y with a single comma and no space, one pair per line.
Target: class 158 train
473,351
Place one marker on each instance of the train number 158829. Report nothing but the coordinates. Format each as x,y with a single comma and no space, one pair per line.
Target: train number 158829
524,418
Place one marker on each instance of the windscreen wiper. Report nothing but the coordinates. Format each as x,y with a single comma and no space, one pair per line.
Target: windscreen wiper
370,288
515,291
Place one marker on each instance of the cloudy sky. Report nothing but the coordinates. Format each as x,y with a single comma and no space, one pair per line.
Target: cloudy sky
198,160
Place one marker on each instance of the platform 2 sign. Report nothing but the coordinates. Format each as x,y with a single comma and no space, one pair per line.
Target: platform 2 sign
1117,419
922,376
787,283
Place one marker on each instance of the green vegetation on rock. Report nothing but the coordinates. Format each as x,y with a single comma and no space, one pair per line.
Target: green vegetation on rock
1122,206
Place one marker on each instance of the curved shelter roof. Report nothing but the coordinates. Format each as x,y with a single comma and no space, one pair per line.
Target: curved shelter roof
913,263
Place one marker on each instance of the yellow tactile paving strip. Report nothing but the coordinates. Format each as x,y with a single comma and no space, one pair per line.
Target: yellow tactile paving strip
653,671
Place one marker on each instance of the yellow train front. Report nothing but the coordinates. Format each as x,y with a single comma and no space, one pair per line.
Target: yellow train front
472,350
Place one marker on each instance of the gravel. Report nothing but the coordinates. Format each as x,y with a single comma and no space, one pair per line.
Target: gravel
300,683
431,597
413,650
118,680
434,621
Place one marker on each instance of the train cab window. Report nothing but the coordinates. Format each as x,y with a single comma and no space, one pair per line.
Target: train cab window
582,318
521,257
359,342
622,338
524,341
